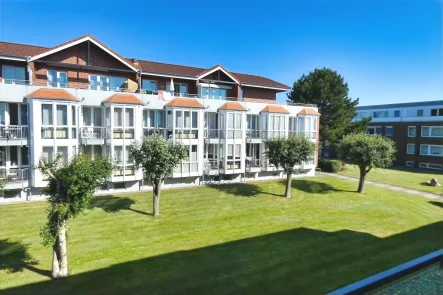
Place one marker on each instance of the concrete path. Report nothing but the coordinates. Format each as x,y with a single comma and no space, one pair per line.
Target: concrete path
387,186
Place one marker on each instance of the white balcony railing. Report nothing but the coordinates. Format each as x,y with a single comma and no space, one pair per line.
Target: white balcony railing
14,175
92,132
13,132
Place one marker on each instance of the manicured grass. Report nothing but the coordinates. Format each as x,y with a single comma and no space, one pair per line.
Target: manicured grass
401,176
233,239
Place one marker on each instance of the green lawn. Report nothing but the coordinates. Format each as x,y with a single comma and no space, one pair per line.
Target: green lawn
233,239
401,176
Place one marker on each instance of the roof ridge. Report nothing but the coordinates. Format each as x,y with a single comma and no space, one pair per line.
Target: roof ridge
22,44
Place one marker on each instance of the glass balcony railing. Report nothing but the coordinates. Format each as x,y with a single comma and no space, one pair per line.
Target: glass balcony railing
14,175
214,133
154,131
13,132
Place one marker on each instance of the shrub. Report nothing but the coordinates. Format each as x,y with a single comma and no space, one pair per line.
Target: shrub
333,166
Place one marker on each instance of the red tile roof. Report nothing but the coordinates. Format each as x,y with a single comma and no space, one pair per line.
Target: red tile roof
22,50
307,111
233,106
48,93
123,98
184,103
274,109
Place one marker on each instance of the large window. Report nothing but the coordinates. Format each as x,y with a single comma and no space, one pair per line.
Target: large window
97,82
213,93
149,86
380,114
179,88
431,150
432,131
57,79
14,75
47,114
374,130
436,112
48,153
389,131
118,117
62,115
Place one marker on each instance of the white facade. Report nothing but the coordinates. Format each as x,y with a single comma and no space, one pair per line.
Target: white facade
224,145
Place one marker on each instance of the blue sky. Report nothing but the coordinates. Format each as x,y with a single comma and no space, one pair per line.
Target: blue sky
388,51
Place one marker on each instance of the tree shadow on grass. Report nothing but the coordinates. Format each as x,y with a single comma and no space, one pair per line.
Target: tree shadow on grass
14,257
300,260
242,189
315,187
435,203
112,204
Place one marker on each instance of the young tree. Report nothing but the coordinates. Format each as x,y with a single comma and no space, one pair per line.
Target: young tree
287,153
328,90
367,152
157,157
70,189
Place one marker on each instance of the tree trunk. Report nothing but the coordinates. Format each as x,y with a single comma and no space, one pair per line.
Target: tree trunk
288,185
361,183
156,199
60,255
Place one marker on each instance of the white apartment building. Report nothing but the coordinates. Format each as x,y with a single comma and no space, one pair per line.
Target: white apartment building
50,104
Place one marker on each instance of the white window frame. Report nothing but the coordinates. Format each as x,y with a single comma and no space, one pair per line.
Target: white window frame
99,78
407,150
430,131
415,128
375,129
429,150
58,79
409,163
426,166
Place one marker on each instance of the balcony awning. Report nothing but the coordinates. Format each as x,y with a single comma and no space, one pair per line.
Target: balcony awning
232,106
274,109
123,99
307,111
49,93
185,103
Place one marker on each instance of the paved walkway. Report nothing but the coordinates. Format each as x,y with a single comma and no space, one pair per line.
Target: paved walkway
387,186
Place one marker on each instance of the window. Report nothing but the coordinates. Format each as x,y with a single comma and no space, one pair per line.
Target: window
57,79
106,83
396,113
118,154
74,117
178,88
149,86
238,119
24,155
389,131
47,114
231,120
48,153
431,150
374,130
213,93
118,117
419,113
187,122
129,117
436,112
63,150
410,149
13,155
432,131
194,119
178,119
23,114
14,75
2,113
410,163
62,115
412,131
381,114
430,166
194,153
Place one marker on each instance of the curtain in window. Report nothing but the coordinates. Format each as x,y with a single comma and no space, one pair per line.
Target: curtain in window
47,114
118,117
62,115
187,119
129,117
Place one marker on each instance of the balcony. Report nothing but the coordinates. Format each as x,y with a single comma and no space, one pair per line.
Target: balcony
214,133
13,135
306,134
253,164
154,131
212,166
183,134
15,178
93,135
